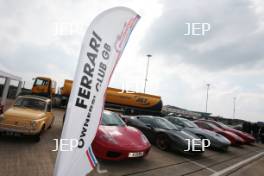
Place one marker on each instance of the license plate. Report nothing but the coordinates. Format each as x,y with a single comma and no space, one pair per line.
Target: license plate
136,154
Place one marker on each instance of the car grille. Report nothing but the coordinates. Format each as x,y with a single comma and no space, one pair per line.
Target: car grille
113,154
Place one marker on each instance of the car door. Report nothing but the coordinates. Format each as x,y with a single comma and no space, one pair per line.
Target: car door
148,128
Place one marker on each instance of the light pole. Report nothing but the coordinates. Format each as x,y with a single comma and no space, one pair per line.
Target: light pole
206,104
146,77
234,108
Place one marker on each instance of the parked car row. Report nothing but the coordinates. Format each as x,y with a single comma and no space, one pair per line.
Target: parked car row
245,136
236,137
121,137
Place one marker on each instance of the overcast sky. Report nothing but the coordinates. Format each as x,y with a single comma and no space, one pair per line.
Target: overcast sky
43,38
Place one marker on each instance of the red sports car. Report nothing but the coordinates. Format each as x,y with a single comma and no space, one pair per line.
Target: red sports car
116,141
247,137
233,138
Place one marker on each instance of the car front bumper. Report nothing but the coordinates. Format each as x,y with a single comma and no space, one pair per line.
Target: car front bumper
106,152
18,129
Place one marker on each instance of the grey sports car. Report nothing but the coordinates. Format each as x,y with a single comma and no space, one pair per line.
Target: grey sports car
164,134
218,141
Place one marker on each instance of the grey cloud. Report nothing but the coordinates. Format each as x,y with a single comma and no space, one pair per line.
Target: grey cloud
232,41
36,59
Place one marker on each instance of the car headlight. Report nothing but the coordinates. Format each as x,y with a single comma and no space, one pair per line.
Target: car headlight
108,138
144,139
33,124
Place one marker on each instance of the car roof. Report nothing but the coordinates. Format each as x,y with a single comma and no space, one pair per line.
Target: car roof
149,116
176,117
203,121
36,97
206,120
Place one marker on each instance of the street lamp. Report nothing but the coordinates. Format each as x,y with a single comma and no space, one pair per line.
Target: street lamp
234,108
146,77
206,104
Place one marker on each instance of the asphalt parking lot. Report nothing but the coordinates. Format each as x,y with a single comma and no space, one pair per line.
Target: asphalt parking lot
20,156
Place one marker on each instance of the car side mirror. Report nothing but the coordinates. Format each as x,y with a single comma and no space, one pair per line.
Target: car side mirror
128,123
124,119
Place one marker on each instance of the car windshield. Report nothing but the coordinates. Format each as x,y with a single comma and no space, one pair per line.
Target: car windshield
165,124
111,119
213,126
41,82
223,125
189,123
30,103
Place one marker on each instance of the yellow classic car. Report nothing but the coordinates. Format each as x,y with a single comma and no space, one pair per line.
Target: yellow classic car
30,115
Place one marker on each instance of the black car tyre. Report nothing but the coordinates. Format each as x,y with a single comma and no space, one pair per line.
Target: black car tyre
224,149
36,137
163,142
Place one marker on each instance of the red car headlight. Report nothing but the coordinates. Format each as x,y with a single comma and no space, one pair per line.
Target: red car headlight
144,139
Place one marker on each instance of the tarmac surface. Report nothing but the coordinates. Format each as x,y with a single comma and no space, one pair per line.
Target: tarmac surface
20,156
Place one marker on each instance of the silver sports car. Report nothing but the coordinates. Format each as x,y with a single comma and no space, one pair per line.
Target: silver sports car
218,141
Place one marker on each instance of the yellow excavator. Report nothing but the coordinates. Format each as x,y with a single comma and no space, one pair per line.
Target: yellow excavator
127,102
